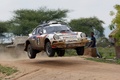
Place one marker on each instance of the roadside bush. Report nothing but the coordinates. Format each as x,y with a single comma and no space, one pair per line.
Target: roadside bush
107,52
103,42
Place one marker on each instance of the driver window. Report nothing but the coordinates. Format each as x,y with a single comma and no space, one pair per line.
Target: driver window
40,31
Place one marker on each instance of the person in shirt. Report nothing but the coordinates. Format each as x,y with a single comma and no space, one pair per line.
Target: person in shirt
93,44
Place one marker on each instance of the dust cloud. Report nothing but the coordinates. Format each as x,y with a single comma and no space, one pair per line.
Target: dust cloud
16,53
12,53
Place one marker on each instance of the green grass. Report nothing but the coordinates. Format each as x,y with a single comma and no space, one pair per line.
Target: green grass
108,55
107,52
70,52
113,61
0,78
7,70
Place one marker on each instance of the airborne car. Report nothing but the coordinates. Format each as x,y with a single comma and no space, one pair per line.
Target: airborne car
54,37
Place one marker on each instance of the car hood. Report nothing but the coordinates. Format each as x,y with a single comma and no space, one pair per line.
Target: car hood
67,36
74,36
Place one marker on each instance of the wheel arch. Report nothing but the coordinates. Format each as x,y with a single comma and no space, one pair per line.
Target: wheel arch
46,40
26,45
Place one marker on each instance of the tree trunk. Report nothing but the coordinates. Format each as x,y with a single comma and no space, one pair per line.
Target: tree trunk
117,49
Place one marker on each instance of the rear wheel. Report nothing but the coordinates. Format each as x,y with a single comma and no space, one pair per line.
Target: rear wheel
80,50
49,50
61,53
31,52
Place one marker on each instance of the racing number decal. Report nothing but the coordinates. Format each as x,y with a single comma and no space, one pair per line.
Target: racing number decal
38,41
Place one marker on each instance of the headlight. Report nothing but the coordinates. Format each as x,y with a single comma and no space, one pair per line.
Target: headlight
83,35
56,37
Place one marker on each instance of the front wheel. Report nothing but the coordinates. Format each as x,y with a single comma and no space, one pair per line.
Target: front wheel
31,52
49,50
80,50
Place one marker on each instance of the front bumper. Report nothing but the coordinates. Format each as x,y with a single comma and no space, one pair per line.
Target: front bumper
67,45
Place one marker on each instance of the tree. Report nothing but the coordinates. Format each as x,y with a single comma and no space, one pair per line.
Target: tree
116,23
25,20
116,33
3,27
116,20
88,25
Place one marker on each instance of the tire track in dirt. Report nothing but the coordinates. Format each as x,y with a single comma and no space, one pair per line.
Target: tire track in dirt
26,74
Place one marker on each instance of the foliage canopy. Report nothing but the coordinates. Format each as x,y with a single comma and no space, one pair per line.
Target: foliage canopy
3,27
116,23
25,20
88,25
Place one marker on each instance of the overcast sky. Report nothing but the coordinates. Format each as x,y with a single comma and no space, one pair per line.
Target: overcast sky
78,8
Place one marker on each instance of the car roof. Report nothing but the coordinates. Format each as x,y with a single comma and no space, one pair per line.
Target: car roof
51,23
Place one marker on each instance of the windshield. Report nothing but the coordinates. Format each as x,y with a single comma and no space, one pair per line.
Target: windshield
52,29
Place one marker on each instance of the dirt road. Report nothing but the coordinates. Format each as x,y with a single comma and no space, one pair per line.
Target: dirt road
62,68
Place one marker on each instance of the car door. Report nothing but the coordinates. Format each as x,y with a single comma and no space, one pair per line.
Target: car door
33,39
41,35
39,38
39,32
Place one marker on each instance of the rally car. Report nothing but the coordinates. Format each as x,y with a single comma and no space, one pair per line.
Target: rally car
54,37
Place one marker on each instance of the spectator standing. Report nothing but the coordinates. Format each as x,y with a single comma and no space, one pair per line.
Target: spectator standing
93,44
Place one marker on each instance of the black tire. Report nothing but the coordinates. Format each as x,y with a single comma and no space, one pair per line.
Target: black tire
49,50
80,50
60,53
31,52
